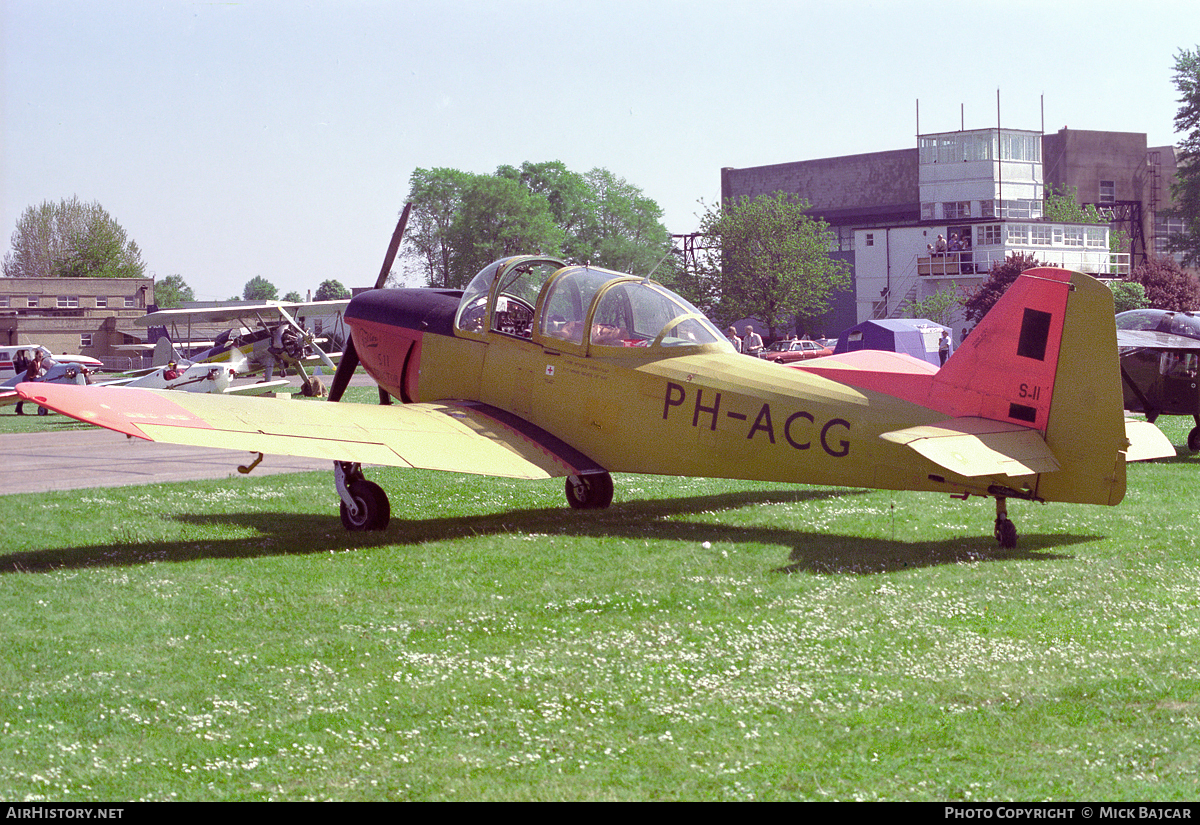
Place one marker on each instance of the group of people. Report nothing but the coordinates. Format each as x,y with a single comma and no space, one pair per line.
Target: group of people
940,247
751,344
959,248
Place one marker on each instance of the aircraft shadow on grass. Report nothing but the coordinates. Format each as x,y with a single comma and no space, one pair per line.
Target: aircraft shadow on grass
278,534
1181,457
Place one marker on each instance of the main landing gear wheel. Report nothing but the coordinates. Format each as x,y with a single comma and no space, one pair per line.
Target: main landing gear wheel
1006,531
1194,439
365,505
593,491
372,510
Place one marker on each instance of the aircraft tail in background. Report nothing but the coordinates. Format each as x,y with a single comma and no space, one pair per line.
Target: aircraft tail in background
164,352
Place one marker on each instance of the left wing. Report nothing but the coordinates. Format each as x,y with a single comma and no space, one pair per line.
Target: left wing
1152,339
465,438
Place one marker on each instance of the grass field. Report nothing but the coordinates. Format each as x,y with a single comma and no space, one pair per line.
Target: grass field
701,639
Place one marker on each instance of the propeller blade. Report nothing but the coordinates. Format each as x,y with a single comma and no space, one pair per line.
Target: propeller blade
345,369
393,247
349,362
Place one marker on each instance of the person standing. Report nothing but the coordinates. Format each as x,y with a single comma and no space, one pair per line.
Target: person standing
732,335
752,343
33,372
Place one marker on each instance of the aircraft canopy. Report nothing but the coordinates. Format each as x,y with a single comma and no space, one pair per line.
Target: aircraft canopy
580,309
1159,320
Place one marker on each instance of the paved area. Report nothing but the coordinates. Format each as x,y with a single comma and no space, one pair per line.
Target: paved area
42,462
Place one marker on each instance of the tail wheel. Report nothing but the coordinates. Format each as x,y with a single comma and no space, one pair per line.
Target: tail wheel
372,509
1006,533
590,492
1194,439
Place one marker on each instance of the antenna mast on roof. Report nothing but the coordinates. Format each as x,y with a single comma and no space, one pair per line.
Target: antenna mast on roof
999,159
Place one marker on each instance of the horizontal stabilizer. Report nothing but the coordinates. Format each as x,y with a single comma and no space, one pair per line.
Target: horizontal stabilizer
974,447
1146,442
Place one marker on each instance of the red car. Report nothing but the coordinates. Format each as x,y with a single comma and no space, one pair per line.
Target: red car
784,352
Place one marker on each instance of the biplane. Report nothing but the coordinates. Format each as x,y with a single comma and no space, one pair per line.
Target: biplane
275,335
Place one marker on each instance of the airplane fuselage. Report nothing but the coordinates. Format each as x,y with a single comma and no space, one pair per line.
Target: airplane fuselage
708,413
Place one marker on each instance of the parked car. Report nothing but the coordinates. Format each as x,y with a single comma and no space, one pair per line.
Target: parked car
784,352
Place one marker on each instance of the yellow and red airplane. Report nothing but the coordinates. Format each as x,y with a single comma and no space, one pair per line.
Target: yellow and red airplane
539,369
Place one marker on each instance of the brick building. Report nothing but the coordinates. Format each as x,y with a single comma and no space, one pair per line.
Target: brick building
85,316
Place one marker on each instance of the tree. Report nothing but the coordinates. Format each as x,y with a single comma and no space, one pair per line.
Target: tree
1063,207
606,221
1185,191
436,196
294,297
259,288
172,291
71,239
461,222
625,232
498,218
331,291
568,195
1128,295
1167,286
938,307
773,264
998,281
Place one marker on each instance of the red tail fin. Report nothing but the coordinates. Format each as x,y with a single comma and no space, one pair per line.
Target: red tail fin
1005,369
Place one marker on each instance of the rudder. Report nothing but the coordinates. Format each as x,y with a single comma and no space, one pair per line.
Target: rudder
1086,430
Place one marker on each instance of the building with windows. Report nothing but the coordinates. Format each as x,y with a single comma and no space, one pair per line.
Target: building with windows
85,316
913,222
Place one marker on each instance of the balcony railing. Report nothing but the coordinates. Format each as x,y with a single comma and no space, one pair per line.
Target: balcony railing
1101,263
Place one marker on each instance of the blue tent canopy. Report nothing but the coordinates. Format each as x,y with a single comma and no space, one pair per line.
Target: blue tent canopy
917,337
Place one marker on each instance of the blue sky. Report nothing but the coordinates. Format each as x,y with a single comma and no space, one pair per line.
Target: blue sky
277,138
